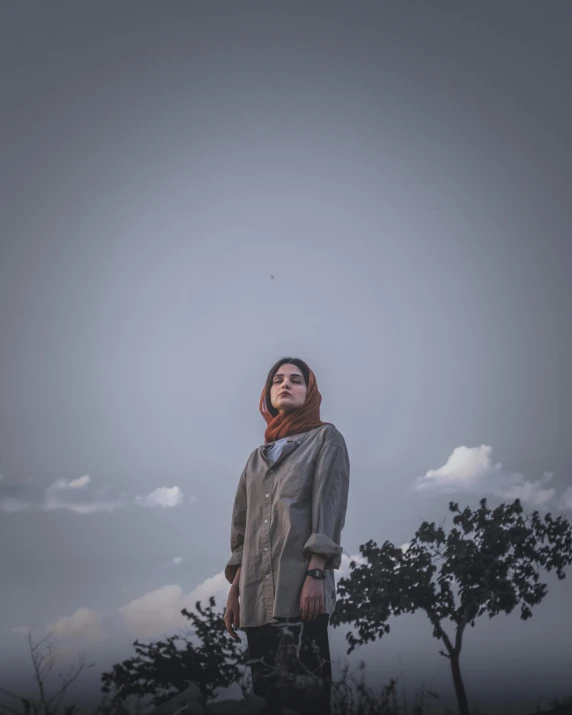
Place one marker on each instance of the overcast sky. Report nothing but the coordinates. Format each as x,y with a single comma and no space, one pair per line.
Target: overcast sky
404,172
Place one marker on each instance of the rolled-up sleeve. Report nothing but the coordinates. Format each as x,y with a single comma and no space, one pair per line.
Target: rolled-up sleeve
329,504
237,530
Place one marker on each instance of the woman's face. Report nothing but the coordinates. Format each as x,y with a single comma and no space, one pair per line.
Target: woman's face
288,389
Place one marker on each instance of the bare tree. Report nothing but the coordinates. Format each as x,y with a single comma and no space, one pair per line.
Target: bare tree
43,662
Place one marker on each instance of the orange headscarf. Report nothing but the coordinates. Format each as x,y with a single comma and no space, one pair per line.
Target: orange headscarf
301,419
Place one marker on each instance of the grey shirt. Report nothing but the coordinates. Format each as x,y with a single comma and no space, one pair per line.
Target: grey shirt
283,513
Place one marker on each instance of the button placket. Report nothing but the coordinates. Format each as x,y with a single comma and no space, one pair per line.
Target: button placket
266,544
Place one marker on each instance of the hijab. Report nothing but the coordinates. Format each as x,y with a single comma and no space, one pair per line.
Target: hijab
300,419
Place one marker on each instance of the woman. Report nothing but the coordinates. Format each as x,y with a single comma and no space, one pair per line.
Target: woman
288,514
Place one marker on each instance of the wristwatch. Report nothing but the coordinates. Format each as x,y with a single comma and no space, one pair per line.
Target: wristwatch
317,573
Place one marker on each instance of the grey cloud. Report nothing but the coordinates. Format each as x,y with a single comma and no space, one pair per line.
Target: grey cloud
74,495
79,496
19,497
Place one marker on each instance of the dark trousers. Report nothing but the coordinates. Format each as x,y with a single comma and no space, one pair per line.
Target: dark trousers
291,666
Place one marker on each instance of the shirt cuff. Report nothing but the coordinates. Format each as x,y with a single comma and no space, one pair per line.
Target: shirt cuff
233,563
323,545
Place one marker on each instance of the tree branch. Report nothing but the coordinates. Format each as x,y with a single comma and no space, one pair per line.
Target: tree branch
37,661
66,683
439,628
9,694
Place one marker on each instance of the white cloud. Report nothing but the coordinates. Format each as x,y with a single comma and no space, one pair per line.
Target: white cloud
159,612
470,470
80,481
163,496
84,625
155,612
71,483
178,560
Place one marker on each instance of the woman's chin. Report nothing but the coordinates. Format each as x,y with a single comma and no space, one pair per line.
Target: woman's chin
286,408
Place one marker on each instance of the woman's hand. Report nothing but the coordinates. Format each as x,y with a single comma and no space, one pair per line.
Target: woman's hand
312,598
232,613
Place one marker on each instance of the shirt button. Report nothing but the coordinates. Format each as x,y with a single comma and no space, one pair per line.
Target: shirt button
266,548
266,521
267,495
266,576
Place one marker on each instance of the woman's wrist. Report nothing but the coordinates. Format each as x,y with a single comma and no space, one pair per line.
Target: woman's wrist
318,561
235,587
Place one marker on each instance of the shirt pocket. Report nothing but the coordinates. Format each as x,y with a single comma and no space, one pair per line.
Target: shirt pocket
296,483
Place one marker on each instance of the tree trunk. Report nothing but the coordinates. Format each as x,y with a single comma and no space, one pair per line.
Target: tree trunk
459,685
